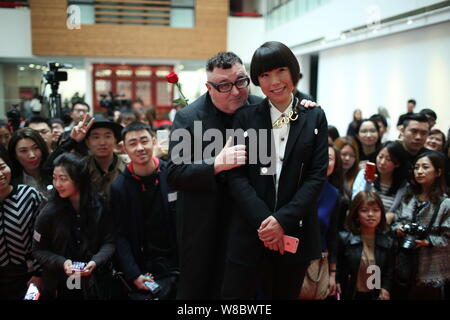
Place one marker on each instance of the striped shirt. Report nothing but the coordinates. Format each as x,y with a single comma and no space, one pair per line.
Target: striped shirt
18,213
388,201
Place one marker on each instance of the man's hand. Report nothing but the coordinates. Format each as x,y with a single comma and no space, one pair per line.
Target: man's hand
309,104
230,157
271,231
80,130
139,283
161,148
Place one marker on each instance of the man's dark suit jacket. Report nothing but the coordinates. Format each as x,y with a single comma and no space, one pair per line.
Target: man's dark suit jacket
202,217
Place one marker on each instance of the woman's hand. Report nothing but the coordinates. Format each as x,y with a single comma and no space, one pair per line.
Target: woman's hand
400,232
139,282
390,216
68,268
422,243
88,269
370,181
36,281
384,295
271,231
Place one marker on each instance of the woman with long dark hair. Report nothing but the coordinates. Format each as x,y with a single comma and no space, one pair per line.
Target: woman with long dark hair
19,207
28,153
279,198
390,178
357,117
427,205
369,140
349,151
74,227
5,133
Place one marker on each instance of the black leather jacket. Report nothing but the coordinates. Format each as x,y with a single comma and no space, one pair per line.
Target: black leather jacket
349,253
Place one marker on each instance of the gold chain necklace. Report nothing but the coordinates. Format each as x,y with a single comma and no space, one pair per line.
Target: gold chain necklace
290,117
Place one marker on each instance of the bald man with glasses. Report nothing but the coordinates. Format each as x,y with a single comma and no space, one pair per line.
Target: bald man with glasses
204,206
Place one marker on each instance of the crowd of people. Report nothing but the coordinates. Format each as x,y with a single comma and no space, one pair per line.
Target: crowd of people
100,209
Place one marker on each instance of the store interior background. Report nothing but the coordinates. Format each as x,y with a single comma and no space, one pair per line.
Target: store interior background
362,54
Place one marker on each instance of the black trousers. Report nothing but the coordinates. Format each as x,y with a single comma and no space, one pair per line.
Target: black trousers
271,279
13,282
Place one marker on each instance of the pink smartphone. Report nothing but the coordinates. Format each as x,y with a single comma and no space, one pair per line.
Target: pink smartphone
370,170
290,244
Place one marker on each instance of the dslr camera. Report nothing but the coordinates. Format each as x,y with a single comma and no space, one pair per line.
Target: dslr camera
413,232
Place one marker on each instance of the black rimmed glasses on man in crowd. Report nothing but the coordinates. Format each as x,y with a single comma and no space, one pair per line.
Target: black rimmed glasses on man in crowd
225,87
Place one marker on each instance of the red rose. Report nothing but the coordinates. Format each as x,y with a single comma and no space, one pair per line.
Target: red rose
172,78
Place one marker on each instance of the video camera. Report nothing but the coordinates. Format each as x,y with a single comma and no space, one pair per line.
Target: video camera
53,78
112,103
53,75
14,117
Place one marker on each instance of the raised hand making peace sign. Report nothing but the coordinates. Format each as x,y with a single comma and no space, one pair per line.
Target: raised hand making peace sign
80,130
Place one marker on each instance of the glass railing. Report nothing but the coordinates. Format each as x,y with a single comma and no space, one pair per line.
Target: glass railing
171,13
283,11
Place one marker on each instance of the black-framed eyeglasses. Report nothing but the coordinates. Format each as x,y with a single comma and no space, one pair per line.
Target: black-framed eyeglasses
225,87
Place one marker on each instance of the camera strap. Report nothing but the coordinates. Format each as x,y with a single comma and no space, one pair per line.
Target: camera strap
433,218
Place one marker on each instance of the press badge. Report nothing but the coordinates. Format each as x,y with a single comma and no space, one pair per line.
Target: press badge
172,197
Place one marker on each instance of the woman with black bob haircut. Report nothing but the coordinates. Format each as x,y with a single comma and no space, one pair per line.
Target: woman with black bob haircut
278,197
74,227
427,205
28,153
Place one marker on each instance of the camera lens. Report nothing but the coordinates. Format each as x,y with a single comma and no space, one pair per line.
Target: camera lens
409,242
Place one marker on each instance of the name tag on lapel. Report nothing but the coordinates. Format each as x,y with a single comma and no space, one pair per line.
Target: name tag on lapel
172,197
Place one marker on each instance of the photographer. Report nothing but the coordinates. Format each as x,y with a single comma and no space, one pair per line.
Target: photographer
423,228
